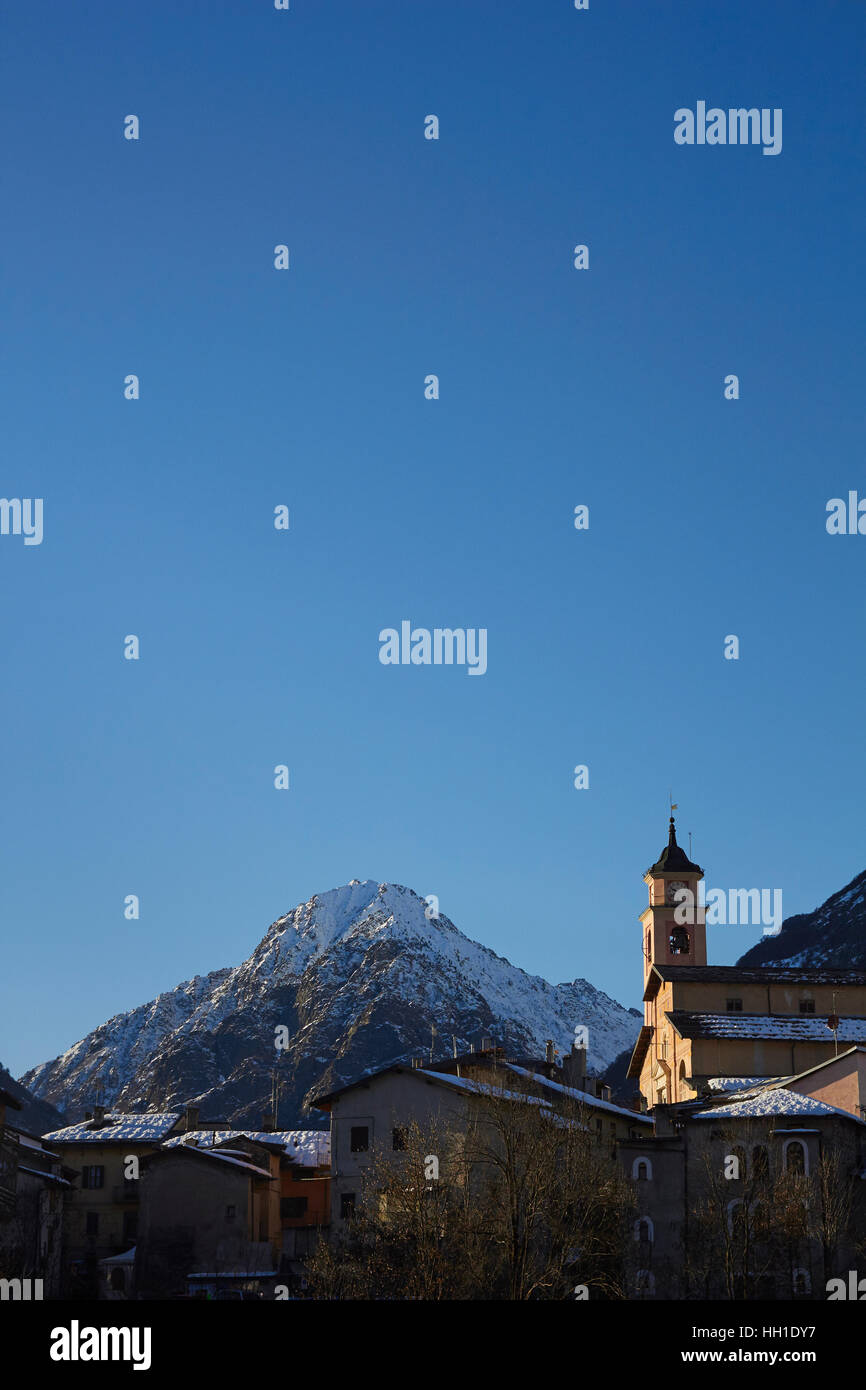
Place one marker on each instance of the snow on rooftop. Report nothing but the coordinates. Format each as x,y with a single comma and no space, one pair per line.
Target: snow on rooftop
27,1143
583,1097
311,1148
150,1126
775,1100
224,1157
738,1083
127,1258
806,1027
480,1088
40,1173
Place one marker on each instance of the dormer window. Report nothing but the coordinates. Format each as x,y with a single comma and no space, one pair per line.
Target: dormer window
679,942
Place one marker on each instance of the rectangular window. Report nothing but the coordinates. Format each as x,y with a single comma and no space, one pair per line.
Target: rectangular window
398,1138
130,1227
347,1205
231,1213
293,1207
735,1006
93,1176
807,1006
92,1223
359,1139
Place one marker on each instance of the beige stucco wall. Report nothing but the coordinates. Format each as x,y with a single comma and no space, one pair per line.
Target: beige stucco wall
842,1083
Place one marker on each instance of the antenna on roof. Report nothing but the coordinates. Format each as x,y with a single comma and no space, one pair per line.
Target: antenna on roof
433,1032
690,844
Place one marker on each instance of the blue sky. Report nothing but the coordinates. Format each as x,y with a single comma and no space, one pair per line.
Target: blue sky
305,387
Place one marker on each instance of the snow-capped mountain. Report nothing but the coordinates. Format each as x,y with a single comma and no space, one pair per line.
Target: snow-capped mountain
357,976
833,935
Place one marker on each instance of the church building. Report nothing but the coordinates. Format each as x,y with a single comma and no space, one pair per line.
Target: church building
706,1027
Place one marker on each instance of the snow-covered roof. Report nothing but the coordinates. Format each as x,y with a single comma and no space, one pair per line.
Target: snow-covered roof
27,1143
127,1258
583,1097
148,1127
311,1148
223,1157
773,1100
787,1027
738,1083
40,1173
479,1088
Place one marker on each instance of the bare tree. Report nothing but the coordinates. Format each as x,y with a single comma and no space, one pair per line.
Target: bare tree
514,1201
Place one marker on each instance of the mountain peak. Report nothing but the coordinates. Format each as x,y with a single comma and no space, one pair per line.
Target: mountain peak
360,976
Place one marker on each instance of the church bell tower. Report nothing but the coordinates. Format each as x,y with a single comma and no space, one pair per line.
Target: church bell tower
673,926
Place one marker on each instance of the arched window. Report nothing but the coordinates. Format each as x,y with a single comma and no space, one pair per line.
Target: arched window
802,1282
644,1231
684,1080
642,1170
796,1157
736,1216
760,1163
679,942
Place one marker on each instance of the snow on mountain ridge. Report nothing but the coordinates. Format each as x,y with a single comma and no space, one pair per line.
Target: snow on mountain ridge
358,974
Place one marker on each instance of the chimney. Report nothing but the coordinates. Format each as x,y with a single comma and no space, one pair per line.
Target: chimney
574,1068
88,1115
269,1122
548,1052
98,1116
191,1121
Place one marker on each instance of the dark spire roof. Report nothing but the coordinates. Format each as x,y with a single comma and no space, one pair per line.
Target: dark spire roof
672,858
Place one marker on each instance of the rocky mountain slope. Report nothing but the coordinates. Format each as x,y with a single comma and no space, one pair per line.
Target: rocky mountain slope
833,935
357,976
